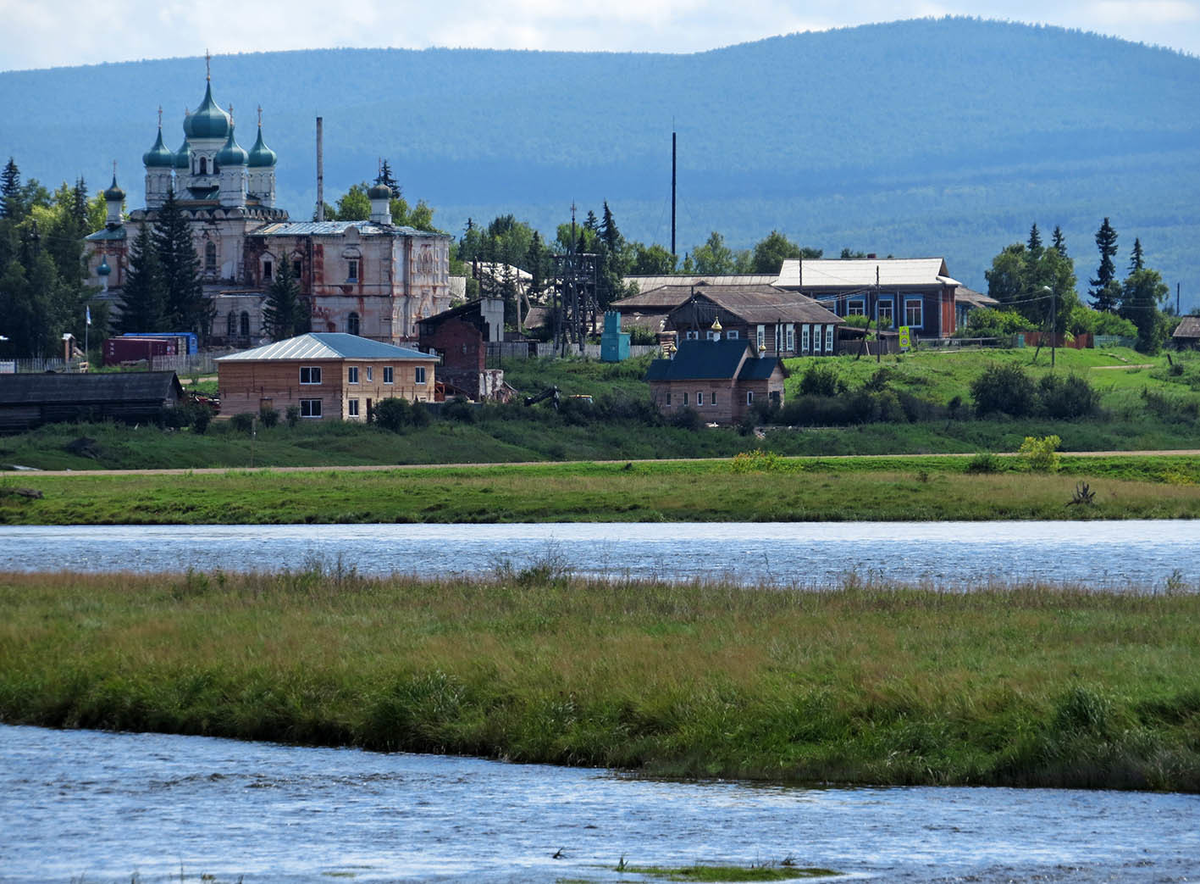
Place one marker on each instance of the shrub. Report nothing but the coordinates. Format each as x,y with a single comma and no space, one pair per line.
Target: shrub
293,415
984,322
640,336
458,409
820,380
398,415
201,417
1041,454
243,422
268,416
687,419
983,463
1004,389
1068,398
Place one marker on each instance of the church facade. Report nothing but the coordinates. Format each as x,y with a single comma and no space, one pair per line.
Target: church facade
368,278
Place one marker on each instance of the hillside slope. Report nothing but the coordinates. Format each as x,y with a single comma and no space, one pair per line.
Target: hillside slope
920,137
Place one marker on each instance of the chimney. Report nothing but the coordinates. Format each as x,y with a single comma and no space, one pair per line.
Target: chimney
320,174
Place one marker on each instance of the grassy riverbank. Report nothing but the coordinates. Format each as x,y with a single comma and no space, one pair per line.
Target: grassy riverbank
760,487
868,684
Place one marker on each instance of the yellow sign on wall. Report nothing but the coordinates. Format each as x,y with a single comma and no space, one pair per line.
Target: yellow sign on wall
905,340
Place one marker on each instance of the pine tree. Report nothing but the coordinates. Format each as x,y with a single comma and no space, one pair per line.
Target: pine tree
1141,297
536,261
591,223
282,313
1060,241
609,234
1104,295
186,308
10,192
1035,242
385,178
1137,262
143,297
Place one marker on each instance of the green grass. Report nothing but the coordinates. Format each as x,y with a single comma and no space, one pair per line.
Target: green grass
1022,686
769,488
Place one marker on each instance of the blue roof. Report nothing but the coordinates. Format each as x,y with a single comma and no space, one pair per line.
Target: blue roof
338,228
326,345
713,360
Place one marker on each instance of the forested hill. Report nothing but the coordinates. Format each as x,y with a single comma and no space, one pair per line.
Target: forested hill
924,137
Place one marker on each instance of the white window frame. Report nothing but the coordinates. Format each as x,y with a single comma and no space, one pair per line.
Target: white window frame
352,407
352,269
761,340
856,307
419,374
306,405
816,340
352,374
805,338
370,374
790,333
829,339
891,305
749,397
699,398
313,373
920,304
712,399
389,374
693,335
733,334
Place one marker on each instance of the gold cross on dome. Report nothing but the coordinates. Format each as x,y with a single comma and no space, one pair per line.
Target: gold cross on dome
207,65
260,116
160,116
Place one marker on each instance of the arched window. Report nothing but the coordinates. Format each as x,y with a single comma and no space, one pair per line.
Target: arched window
352,323
231,324
245,330
210,256
203,165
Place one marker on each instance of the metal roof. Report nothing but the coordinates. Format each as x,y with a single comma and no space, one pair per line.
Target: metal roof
646,283
106,234
752,307
326,345
713,360
860,274
667,297
338,228
128,387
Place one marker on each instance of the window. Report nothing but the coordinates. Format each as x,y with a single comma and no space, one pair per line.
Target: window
370,373
790,335
712,399
352,374
203,165
762,337
805,345
914,312
699,398
352,407
310,374
210,256
231,324
267,268
245,324
885,316
733,334
388,374
816,340
685,402
693,335
749,397
856,308
668,397
352,270
297,266
352,324
419,375
712,335
310,408
829,339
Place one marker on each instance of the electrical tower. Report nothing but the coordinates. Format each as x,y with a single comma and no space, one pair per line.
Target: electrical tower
575,301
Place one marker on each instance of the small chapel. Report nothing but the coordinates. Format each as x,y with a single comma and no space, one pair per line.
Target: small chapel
369,278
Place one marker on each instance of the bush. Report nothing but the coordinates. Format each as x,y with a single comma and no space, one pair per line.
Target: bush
983,463
458,409
268,416
984,322
201,417
398,415
640,336
293,415
686,419
1068,398
1041,454
820,380
243,422
1004,389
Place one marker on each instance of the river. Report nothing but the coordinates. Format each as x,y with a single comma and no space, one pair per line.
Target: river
88,806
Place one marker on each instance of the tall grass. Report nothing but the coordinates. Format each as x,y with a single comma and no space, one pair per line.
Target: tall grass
1021,685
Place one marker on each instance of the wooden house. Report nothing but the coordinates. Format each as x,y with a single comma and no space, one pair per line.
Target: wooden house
775,322
1187,333
27,400
720,379
327,375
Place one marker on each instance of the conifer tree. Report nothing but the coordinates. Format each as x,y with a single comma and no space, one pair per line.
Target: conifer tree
143,297
10,191
1106,295
186,307
386,179
283,314
1035,242
1060,241
1137,262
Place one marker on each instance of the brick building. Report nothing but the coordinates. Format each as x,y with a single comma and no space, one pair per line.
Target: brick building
720,379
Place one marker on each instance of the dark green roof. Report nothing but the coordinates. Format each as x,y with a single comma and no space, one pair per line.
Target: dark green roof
209,121
262,156
232,153
159,156
712,360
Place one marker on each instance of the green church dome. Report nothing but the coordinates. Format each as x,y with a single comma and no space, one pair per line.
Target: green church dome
103,269
379,191
159,156
114,193
209,121
232,153
262,156
183,156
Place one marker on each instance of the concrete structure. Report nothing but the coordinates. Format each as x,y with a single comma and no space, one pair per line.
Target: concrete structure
368,278
776,323
328,376
721,380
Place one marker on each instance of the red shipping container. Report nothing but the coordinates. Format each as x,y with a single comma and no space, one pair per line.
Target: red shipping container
118,350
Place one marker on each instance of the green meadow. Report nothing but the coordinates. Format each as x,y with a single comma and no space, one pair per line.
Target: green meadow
868,683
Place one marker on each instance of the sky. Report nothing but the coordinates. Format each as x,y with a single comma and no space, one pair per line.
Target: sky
54,33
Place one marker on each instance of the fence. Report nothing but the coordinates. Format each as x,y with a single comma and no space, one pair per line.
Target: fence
1113,341
193,363
37,366
498,351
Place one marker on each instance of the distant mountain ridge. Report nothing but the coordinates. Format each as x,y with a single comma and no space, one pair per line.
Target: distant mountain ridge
923,137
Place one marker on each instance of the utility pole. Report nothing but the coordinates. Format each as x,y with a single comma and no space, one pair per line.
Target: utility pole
878,327
1053,326
673,192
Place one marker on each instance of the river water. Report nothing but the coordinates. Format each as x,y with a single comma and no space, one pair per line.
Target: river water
104,807
1145,554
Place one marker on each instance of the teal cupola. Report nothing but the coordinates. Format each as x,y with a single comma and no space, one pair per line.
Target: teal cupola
159,156
114,197
114,192
232,153
183,156
261,156
103,272
209,121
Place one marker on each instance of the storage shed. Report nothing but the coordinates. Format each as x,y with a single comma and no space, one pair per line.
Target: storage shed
27,400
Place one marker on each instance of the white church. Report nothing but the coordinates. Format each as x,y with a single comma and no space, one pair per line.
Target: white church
369,278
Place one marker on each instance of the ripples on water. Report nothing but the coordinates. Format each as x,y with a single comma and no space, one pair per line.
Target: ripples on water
1116,555
101,807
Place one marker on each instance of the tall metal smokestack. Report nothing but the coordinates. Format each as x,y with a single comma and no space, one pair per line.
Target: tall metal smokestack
320,172
672,194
